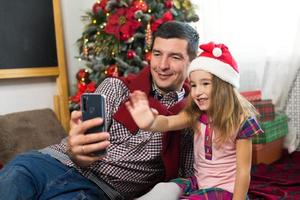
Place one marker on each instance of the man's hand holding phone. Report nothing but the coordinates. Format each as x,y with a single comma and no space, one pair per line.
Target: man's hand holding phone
84,145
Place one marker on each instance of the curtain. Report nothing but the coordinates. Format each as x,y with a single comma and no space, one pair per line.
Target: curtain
293,112
264,38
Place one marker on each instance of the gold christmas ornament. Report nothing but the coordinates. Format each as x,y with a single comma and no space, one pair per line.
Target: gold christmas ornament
148,36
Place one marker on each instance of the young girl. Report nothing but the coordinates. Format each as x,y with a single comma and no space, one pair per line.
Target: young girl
223,123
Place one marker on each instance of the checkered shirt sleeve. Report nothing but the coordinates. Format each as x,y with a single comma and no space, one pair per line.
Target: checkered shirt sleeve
249,128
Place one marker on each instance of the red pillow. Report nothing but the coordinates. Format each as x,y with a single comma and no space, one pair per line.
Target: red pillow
1,165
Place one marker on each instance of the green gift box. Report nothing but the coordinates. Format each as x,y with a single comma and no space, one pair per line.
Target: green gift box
273,130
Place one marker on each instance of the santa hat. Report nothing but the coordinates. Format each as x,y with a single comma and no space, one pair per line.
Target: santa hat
217,60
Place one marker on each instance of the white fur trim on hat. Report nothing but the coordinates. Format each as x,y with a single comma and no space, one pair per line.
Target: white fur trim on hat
220,69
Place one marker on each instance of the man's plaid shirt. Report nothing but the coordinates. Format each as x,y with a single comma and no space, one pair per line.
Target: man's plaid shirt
133,163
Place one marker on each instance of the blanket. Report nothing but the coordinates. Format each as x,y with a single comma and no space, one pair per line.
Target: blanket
279,180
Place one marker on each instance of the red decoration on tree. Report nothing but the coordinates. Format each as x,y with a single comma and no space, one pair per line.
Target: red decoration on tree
75,98
140,5
168,4
122,23
99,5
130,54
96,8
91,87
84,84
167,16
112,71
148,56
83,76
83,87
124,36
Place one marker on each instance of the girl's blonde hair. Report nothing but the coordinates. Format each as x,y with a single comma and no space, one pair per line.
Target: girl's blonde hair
228,109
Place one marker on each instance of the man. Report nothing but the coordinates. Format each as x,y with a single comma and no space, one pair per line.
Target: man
136,160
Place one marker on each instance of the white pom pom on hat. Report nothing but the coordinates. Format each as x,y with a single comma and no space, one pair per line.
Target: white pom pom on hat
217,52
217,60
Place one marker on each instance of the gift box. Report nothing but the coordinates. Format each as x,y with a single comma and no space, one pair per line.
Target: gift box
266,110
254,95
273,130
267,153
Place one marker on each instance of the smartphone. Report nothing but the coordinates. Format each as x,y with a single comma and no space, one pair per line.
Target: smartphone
92,106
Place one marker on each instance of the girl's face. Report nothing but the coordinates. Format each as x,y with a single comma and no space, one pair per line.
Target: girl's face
201,87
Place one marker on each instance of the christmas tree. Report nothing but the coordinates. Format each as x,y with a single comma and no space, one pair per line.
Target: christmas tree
118,36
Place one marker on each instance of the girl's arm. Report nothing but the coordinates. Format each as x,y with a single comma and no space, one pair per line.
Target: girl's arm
163,123
148,119
244,157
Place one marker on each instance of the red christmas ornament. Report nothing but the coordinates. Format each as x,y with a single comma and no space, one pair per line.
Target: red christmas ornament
82,73
130,54
168,4
124,37
140,5
83,76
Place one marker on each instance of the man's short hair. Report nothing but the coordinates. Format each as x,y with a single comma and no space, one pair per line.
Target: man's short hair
181,30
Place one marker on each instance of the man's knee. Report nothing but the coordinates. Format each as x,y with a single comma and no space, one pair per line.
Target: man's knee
166,186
